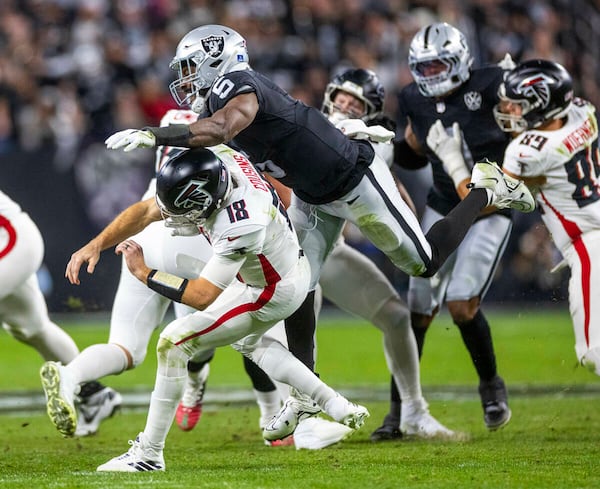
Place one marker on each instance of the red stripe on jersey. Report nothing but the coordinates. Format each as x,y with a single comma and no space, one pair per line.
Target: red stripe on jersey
571,228
271,276
574,232
12,236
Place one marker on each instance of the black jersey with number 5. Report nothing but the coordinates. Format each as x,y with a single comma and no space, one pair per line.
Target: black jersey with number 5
312,157
471,106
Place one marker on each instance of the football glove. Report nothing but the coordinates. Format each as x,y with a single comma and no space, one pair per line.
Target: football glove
448,148
507,62
357,129
130,139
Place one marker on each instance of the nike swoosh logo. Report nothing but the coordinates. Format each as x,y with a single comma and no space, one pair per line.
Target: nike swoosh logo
350,202
233,239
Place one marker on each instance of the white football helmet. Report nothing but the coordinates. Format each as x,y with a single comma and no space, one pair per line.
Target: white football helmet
203,55
439,42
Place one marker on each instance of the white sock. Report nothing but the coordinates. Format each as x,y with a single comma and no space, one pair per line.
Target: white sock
400,348
269,404
163,404
281,365
97,361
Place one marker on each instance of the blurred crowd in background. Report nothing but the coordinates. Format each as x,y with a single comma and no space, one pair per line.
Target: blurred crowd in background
72,72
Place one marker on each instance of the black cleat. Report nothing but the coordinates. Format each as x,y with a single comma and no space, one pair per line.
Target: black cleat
386,432
494,400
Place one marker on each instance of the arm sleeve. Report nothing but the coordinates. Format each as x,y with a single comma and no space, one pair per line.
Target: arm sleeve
405,156
222,269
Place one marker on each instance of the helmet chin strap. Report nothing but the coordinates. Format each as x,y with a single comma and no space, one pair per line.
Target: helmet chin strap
198,104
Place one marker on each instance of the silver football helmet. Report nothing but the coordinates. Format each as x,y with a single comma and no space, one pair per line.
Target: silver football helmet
203,55
439,44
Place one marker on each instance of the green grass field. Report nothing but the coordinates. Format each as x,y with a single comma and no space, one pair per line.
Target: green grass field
550,442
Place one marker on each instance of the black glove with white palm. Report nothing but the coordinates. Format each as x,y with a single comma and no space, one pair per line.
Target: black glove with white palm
449,149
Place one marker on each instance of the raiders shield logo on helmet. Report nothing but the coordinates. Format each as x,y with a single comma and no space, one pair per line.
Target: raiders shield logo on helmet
213,45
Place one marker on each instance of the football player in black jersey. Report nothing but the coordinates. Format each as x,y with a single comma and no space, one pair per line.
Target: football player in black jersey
333,178
448,111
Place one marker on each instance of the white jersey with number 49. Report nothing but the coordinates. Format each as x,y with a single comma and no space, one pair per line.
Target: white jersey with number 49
568,157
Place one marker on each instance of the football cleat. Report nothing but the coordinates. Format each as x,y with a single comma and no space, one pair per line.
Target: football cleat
503,191
346,412
189,409
288,441
296,408
316,433
417,421
388,431
139,458
95,408
60,390
494,400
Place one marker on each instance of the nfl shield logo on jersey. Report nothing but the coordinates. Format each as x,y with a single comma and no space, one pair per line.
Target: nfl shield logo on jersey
473,100
213,45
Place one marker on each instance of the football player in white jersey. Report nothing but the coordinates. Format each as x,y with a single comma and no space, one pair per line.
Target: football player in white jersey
256,276
555,151
137,310
24,313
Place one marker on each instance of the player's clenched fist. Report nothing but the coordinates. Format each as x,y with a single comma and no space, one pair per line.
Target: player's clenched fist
130,139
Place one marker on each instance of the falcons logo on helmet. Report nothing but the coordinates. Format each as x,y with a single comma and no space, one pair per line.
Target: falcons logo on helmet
193,195
537,87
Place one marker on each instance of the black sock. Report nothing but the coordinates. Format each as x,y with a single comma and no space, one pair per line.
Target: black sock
260,380
197,366
89,388
300,332
392,418
477,337
446,234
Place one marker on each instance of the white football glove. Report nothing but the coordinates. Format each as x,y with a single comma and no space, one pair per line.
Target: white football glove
357,129
180,226
130,139
448,148
507,62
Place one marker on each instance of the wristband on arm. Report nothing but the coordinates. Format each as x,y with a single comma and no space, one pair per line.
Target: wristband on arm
166,284
171,135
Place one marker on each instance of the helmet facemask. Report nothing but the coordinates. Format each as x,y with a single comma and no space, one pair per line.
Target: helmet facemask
191,87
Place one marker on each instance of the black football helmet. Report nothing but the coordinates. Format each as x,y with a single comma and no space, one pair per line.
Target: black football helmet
362,84
193,185
543,89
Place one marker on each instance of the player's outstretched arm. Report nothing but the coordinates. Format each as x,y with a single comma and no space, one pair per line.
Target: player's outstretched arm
221,127
129,222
